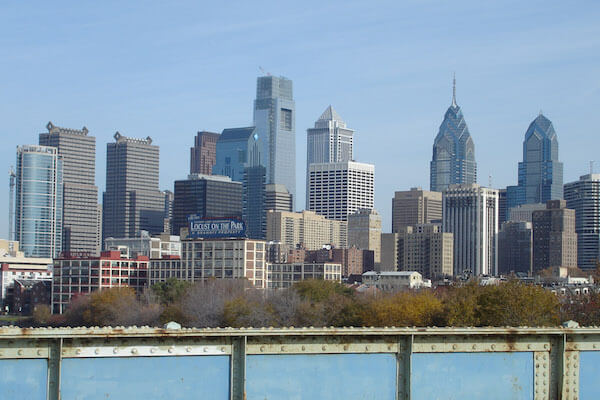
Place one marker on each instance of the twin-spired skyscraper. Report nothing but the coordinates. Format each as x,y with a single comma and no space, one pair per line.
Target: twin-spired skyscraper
453,159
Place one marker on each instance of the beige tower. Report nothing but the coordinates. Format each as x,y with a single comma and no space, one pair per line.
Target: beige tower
364,232
415,206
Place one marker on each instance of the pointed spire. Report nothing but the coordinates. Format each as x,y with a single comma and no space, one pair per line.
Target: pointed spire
454,90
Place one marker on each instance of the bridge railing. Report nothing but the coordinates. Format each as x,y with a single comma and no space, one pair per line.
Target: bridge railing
306,363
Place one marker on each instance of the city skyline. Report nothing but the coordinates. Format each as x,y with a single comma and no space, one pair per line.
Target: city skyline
383,97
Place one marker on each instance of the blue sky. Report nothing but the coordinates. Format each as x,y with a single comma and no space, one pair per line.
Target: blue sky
169,69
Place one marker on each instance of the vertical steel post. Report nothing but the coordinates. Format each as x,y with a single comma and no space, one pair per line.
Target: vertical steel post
403,363
238,368
54,364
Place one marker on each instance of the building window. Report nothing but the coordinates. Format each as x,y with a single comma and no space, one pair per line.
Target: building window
285,121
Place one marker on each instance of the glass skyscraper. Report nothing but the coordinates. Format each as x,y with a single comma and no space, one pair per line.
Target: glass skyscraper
453,159
39,201
540,173
237,148
274,118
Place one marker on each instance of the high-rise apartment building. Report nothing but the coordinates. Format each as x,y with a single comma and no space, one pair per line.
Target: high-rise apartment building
305,229
336,190
237,148
515,248
540,173
554,237
39,201
415,206
132,201
275,121
209,196
453,159
583,196
364,232
425,248
78,152
277,198
470,212
329,141
203,155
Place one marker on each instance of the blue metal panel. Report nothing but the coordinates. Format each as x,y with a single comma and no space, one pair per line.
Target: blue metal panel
23,379
467,376
589,374
186,377
321,376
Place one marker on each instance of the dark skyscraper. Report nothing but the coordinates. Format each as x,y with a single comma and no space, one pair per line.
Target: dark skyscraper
453,159
254,196
132,201
207,196
540,173
275,121
78,152
203,155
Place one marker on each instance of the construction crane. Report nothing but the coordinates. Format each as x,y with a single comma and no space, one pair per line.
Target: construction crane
11,203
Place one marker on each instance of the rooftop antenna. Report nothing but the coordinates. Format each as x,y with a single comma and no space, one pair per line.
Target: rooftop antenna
490,181
591,167
11,203
454,89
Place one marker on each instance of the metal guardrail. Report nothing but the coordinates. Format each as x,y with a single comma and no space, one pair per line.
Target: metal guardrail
305,363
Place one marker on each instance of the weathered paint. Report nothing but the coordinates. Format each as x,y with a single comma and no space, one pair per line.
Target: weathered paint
466,376
325,376
181,378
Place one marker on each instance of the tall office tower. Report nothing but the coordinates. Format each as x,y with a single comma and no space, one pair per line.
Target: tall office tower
168,210
470,212
78,152
502,207
277,198
389,252
237,148
540,173
39,201
583,196
453,159
425,248
336,190
203,155
554,237
132,201
329,141
305,229
209,196
253,199
515,248
98,228
415,206
364,232
275,121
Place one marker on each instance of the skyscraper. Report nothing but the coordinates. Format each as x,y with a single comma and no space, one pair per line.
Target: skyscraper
515,247
338,189
329,141
415,206
132,201
237,148
203,155
254,211
540,172
364,232
554,237
274,118
80,205
209,196
470,212
453,159
39,201
277,198
583,196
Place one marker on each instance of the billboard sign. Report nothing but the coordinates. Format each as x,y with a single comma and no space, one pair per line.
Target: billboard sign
215,228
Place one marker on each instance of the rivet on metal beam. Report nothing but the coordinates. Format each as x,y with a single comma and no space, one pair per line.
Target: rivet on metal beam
134,351
97,351
282,348
366,348
171,349
188,349
20,352
153,350
454,347
493,347
39,352
222,349
78,351
262,348
324,348
303,348
115,350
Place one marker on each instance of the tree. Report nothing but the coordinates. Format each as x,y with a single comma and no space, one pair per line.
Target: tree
405,308
170,291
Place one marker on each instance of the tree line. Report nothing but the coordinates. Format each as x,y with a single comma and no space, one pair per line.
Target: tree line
235,303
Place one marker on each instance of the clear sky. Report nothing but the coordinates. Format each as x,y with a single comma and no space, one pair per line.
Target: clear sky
169,69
